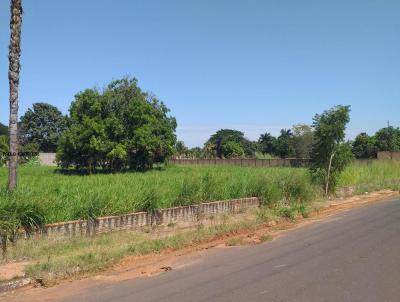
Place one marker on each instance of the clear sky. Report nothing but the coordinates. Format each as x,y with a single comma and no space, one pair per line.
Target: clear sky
254,66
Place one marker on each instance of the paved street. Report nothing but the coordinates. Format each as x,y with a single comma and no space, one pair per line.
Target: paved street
352,256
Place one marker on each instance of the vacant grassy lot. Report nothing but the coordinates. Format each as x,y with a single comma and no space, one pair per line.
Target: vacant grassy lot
72,196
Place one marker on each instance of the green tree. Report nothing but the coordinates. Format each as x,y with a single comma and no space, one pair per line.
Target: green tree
43,126
364,146
388,139
221,137
266,143
196,152
117,128
283,144
14,55
180,149
330,154
231,149
302,141
3,129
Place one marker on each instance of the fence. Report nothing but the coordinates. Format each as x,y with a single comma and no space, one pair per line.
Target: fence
138,220
395,155
280,162
184,216
47,159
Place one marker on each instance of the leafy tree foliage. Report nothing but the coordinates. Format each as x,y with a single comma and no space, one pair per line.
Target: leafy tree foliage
302,141
3,129
180,149
329,154
196,152
26,153
388,139
266,143
42,126
232,149
364,146
290,143
218,144
283,144
118,128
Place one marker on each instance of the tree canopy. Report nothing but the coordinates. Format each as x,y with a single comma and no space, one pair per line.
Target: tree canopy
388,139
302,140
364,146
42,126
329,153
283,144
228,143
3,129
266,143
120,127
181,150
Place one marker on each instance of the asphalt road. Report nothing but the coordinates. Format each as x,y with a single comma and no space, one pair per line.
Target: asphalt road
352,256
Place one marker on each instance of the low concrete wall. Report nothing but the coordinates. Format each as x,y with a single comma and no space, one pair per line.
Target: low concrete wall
185,216
139,220
47,159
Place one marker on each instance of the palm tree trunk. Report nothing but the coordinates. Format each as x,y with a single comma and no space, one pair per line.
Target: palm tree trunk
13,78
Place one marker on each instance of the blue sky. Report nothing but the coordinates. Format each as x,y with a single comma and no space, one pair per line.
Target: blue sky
254,66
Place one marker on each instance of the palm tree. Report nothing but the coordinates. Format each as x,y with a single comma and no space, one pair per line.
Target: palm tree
13,78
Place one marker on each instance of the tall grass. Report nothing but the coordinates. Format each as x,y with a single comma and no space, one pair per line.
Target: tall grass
372,176
69,197
73,196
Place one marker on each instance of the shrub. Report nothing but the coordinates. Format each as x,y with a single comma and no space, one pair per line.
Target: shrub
265,214
17,215
287,212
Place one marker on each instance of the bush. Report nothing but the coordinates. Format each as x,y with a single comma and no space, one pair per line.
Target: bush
287,212
265,214
16,215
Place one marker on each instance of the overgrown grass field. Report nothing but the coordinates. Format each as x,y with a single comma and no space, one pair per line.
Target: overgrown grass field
73,196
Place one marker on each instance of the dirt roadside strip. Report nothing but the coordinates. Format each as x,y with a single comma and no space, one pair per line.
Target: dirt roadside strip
155,263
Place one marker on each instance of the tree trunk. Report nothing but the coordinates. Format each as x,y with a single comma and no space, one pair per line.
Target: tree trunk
13,78
329,174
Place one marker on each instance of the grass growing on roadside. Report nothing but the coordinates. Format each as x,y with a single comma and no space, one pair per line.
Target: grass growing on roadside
55,258
372,176
72,196
65,257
